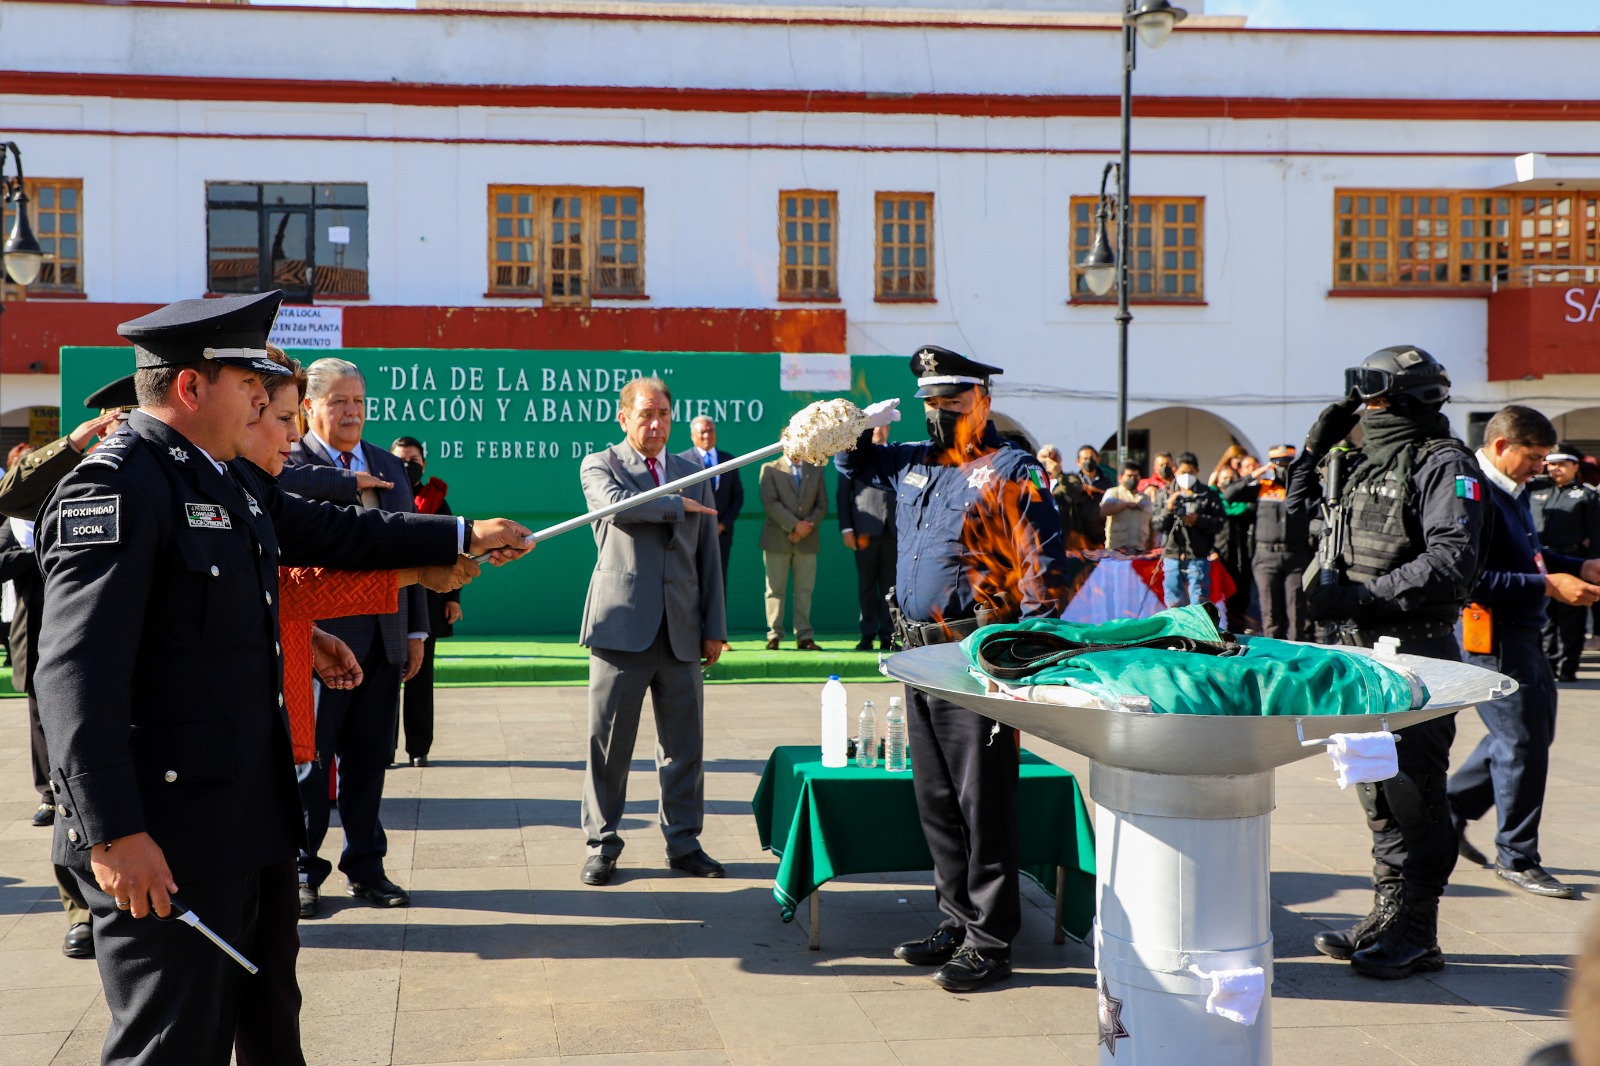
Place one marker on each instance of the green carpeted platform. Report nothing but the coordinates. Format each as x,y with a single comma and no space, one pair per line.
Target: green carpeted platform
464,662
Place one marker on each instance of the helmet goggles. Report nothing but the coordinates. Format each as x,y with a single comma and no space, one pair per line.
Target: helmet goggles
1369,383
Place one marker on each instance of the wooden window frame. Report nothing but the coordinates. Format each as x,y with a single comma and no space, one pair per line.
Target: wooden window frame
926,293
822,248
313,285
1165,242
49,238
594,237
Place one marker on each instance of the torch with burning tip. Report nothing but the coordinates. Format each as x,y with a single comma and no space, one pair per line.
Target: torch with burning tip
816,432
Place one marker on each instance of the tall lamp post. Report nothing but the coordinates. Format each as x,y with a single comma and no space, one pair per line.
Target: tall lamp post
21,253
1150,21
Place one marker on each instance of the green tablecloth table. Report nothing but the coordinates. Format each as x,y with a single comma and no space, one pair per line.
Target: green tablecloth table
823,823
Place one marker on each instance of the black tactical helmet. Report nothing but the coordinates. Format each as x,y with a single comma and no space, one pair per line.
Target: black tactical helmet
1402,371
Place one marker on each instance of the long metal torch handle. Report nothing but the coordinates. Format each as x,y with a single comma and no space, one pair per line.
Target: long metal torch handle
671,488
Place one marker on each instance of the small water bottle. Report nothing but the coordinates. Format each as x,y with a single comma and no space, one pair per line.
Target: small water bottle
867,738
894,732
835,723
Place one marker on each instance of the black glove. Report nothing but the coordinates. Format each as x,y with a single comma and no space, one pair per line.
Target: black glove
1334,424
1337,603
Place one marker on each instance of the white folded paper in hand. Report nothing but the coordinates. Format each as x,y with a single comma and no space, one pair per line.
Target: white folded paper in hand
1235,994
1359,757
882,413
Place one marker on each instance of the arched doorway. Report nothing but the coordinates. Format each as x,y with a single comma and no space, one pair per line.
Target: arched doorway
1012,430
1580,428
1175,430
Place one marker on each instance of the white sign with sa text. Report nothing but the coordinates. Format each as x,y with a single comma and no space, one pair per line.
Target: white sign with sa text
300,326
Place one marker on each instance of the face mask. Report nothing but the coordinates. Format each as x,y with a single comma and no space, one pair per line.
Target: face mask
1164,473
942,427
1129,482
1186,481
414,473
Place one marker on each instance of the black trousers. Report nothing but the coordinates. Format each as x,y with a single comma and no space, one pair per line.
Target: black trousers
416,705
268,1033
174,998
964,774
357,726
38,754
1509,767
1563,637
725,543
1414,833
875,565
1277,577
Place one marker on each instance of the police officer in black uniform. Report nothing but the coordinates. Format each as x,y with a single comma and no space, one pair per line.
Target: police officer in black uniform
160,677
979,542
1406,527
1566,513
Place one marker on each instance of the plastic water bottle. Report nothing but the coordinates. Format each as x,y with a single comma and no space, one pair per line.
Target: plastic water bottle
835,723
867,738
894,733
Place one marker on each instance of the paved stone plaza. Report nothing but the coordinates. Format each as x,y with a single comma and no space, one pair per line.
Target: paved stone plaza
505,956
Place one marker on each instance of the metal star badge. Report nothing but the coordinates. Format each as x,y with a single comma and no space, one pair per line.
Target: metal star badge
930,361
979,478
178,454
1110,1018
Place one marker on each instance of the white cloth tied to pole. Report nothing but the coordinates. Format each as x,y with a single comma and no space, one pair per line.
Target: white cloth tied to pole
1235,994
1359,757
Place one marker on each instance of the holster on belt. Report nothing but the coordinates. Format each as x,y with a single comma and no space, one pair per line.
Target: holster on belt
911,634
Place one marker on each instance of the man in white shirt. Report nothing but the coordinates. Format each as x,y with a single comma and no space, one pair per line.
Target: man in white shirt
1127,513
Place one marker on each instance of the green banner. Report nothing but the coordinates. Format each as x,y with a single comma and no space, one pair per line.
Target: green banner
507,430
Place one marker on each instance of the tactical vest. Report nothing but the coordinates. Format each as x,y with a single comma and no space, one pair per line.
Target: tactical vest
1377,539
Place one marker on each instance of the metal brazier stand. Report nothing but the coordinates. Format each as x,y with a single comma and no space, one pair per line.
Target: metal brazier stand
1182,829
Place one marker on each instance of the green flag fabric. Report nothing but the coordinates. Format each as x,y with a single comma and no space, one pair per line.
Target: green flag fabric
1259,677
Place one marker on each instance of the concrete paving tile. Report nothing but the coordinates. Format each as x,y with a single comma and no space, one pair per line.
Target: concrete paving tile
1485,1041
965,1051
349,991
937,1014
633,1026
709,1057
82,1048
1507,991
782,1021
446,983
1339,1047
44,1010
362,1039
38,1049
498,850
1357,1000
44,967
865,1054
782,972
429,1036
1060,1004
605,980
1546,949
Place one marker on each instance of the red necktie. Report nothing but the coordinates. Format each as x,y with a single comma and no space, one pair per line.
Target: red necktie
344,457
655,475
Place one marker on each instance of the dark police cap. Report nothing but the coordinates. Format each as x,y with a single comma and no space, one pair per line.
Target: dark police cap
117,394
231,330
941,372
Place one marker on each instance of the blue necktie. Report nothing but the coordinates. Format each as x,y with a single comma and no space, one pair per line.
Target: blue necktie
711,461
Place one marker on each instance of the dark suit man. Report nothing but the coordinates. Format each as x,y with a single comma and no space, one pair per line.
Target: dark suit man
444,608
866,522
795,500
159,678
653,617
357,725
727,490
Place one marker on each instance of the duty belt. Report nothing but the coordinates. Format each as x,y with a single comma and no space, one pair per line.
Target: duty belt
921,634
1368,635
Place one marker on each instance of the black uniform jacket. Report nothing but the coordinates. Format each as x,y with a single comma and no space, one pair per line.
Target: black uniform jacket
159,674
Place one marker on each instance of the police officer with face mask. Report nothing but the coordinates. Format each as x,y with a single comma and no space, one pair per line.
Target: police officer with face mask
1403,552
979,542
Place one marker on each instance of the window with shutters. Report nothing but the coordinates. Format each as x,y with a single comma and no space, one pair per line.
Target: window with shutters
308,240
808,243
1166,248
567,245
904,246
55,208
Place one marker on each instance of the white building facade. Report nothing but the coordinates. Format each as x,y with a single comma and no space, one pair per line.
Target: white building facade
1312,196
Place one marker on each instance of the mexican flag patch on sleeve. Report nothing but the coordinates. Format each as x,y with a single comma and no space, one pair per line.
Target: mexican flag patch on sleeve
1467,488
1037,477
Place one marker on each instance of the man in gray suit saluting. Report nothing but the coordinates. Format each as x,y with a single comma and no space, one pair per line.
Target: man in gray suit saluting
652,619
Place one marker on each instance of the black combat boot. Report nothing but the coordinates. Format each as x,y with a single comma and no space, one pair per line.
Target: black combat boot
1409,945
1342,943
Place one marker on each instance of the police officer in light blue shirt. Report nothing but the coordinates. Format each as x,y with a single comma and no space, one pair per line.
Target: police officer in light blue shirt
979,542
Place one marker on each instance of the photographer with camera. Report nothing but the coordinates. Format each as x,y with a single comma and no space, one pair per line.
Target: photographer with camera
1188,515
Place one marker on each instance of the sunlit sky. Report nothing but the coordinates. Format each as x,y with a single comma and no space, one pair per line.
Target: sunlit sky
1413,14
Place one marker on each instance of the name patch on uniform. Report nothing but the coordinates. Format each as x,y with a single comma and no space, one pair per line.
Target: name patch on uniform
207,516
916,480
91,520
1467,488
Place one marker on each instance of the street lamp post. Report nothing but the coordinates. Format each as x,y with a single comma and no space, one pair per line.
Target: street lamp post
1152,21
21,253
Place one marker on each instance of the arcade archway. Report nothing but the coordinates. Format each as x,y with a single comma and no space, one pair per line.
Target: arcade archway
1175,430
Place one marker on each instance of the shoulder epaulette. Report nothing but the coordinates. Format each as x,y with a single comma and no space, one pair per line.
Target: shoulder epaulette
113,450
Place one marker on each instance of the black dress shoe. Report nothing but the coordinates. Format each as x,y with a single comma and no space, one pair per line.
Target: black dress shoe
886,644
79,941
310,900
970,970
935,950
697,863
864,644
773,644
419,761
1465,849
807,644
382,891
598,870
45,815
1534,879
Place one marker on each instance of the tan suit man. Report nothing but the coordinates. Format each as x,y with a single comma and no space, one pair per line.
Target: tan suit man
795,506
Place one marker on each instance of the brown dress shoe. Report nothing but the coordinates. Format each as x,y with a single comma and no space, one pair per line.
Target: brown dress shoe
807,645
772,645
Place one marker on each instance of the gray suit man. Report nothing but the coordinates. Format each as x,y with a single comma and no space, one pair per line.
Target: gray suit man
652,619
795,501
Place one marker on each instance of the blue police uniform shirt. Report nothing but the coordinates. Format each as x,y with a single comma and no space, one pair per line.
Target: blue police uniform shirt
969,531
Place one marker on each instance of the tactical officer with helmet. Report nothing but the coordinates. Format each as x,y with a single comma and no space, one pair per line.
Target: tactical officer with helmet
979,542
1399,554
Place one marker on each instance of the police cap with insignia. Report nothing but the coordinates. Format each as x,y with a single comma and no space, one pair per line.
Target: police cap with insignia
941,372
231,330
117,394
